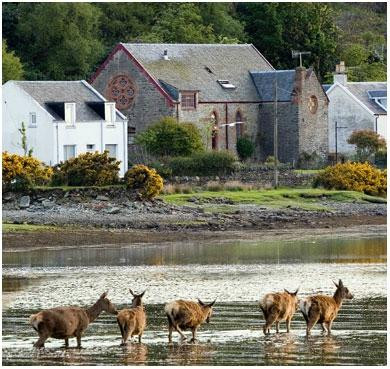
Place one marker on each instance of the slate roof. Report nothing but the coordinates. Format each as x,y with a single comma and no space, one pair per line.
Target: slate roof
360,90
265,82
48,93
199,66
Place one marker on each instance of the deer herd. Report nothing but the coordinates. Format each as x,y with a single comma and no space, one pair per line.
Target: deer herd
67,322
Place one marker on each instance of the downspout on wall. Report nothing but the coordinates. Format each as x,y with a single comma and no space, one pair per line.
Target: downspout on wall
226,127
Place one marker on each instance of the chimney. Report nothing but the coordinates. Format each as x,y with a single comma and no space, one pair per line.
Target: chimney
70,113
300,75
340,74
109,112
165,56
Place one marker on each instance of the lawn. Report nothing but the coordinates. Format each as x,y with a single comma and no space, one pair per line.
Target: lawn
306,198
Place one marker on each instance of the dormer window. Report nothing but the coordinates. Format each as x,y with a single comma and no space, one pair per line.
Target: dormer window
109,112
224,83
188,100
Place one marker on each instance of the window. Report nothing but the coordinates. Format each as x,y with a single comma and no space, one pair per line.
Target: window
33,120
214,131
70,114
313,104
188,100
111,150
69,151
109,112
131,135
90,147
226,84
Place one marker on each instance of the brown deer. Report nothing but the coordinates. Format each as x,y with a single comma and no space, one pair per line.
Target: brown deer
67,322
277,307
132,321
183,315
323,309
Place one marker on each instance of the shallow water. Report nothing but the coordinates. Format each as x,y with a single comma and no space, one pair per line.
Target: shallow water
236,273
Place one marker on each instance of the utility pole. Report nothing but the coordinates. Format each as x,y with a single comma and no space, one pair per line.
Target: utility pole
276,134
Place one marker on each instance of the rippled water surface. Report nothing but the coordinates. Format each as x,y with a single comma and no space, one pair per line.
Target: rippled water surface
236,273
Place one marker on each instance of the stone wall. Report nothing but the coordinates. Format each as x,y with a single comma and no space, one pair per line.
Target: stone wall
259,177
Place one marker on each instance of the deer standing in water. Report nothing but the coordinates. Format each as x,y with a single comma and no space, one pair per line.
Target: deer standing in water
132,321
67,322
323,309
277,307
184,315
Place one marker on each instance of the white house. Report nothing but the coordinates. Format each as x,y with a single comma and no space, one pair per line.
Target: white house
354,106
62,119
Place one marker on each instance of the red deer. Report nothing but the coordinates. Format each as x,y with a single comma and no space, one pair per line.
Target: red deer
277,307
67,322
323,309
183,315
132,321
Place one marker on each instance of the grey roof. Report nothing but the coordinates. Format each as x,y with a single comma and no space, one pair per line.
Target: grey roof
47,93
360,90
326,87
199,66
265,82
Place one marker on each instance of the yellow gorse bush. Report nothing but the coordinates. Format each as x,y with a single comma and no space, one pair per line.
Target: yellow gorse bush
21,172
144,180
361,177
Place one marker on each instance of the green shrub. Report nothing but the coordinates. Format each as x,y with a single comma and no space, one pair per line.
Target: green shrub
162,169
170,138
367,143
310,161
89,169
210,163
144,180
362,177
22,172
245,147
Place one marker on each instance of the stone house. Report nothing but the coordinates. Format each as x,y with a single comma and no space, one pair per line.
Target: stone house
62,119
354,106
226,90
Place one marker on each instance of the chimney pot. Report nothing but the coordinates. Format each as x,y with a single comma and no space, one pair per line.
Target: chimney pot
165,56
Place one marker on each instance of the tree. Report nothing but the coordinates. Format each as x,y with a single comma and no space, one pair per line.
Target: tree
169,138
12,67
368,72
23,134
354,54
367,143
62,38
245,148
277,28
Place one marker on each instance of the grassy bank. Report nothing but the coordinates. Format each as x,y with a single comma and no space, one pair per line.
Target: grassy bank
306,198
12,228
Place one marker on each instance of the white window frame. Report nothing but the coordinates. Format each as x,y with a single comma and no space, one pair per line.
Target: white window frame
109,151
90,150
30,120
110,113
75,152
70,114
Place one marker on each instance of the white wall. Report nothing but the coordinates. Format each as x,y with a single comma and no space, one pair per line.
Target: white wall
382,126
97,133
344,109
48,138
17,106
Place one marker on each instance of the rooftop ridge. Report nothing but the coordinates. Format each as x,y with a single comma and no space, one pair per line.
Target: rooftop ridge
180,44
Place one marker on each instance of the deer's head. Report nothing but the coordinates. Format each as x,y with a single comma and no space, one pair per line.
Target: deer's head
207,308
342,291
106,304
137,299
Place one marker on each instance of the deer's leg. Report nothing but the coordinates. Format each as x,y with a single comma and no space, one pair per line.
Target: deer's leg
78,337
329,326
310,324
193,340
41,340
183,337
66,342
139,338
323,327
270,320
170,329
277,326
288,322
126,332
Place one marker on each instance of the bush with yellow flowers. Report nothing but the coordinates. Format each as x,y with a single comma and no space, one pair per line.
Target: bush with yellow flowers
88,169
144,180
362,177
23,172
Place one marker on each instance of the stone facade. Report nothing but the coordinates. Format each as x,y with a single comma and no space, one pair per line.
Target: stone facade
300,130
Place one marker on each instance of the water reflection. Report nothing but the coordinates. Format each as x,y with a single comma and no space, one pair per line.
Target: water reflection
233,252
189,354
134,353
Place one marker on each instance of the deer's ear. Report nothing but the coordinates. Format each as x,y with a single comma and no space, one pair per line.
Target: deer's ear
104,295
287,291
131,292
341,283
143,293
335,284
296,291
201,303
211,304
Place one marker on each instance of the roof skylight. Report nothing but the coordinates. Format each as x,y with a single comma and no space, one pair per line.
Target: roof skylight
226,84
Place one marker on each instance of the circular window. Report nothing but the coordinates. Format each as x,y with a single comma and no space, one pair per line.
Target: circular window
121,90
313,104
